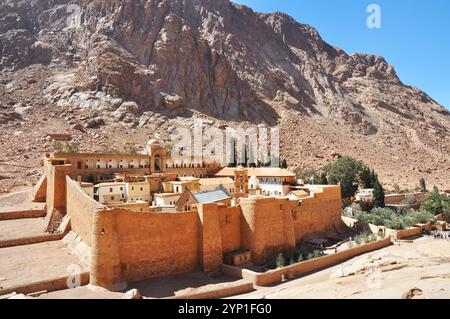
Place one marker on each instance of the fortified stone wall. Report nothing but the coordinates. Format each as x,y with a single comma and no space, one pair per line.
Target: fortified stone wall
230,228
321,213
156,244
264,230
56,186
81,209
397,199
128,246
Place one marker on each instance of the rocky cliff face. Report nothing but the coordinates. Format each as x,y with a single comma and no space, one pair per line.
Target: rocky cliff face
141,63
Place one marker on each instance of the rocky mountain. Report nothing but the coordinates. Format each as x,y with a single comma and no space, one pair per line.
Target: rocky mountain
110,72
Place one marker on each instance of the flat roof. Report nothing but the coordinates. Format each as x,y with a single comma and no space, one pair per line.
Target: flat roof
258,172
110,184
211,197
168,194
215,181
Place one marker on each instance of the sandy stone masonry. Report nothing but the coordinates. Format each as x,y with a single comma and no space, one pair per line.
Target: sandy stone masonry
128,246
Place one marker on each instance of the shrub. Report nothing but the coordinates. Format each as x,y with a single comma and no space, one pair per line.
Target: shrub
315,254
423,185
361,239
309,176
58,147
281,261
437,203
394,220
130,149
73,148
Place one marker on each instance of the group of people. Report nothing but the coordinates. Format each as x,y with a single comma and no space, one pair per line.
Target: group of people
440,235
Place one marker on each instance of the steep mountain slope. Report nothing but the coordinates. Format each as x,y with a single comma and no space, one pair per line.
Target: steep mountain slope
151,65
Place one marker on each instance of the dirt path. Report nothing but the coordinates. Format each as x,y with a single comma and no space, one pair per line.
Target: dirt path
24,265
387,273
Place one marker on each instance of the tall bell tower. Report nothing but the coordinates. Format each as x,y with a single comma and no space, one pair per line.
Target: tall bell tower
158,157
241,182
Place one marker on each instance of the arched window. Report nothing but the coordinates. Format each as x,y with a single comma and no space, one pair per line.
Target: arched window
158,163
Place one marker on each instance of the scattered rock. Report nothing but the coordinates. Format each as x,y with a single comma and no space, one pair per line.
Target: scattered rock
77,127
412,293
133,294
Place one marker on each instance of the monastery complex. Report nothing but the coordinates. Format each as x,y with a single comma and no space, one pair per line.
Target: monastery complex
146,216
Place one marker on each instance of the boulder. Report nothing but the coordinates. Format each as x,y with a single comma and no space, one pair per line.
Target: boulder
133,294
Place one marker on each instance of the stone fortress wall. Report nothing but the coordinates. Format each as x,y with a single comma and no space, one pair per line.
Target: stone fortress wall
129,246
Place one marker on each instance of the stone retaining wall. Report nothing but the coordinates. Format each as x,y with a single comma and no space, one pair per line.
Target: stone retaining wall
300,269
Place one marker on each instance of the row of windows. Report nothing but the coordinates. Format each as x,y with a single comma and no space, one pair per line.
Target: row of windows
111,190
187,165
111,166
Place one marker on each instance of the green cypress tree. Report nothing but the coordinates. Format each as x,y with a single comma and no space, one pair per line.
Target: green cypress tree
323,179
378,195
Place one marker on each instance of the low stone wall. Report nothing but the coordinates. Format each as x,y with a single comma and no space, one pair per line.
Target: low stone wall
410,232
299,269
22,214
30,240
399,234
47,286
218,291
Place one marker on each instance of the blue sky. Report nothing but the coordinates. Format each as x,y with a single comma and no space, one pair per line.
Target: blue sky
414,34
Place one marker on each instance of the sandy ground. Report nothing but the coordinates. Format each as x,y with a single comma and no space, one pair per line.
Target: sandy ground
387,273
152,288
22,228
19,199
23,265
85,292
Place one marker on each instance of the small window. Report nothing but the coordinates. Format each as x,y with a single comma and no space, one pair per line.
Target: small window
110,190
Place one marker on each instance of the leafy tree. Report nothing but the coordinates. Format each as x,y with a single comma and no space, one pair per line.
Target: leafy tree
365,177
437,203
378,195
73,148
323,179
58,147
345,172
307,175
130,149
423,185
446,211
